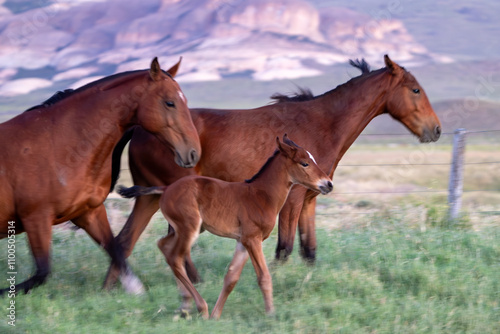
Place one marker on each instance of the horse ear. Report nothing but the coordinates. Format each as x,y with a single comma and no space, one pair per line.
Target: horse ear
173,70
392,66
285,148
155,70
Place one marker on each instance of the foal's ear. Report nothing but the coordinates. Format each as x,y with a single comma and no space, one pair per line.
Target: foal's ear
392,66
286,149
155,70
173,70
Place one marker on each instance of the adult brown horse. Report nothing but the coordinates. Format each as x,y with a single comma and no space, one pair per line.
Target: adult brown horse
235,143
244,211
55,161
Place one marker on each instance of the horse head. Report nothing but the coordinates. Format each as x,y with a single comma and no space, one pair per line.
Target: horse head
303,168
408,103
164,112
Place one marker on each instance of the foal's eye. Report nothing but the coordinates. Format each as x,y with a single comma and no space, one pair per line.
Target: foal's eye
416,91
170,104
304,164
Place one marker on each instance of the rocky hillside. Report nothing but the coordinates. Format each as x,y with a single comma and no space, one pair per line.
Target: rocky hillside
78,41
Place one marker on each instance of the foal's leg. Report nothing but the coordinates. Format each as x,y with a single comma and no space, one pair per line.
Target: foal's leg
254,247
191,270
95,223
307,229
39,230
175,246
144,208
233,275
288,220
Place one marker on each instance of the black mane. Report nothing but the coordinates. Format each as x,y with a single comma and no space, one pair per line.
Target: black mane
58,96
305,94
362,65
61,95
259,173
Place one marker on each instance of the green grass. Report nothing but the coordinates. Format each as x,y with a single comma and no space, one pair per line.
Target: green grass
385,278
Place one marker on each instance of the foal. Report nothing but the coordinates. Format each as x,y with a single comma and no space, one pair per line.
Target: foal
245,211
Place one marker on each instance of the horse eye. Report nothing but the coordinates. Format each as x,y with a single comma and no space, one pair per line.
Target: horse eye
416,91
304,164
170,104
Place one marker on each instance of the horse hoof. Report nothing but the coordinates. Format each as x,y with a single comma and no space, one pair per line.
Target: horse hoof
132,285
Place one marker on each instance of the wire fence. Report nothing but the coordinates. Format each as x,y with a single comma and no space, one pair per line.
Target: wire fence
407,164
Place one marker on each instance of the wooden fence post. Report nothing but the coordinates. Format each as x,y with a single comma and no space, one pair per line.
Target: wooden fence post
456,174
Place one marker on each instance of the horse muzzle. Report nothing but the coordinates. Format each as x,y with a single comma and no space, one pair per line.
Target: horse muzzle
430,135
189,160
325,187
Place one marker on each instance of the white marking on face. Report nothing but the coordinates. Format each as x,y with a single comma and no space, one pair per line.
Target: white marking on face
311,156
183,98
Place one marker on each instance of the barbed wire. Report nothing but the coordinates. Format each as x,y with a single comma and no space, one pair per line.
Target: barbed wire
421,164
412,135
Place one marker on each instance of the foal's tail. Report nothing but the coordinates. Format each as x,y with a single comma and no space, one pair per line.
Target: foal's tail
137,191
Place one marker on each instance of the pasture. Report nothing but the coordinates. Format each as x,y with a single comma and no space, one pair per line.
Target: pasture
386,263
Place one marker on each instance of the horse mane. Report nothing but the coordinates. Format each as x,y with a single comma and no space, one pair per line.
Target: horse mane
263,168
61,95
362,65
305,94
58,96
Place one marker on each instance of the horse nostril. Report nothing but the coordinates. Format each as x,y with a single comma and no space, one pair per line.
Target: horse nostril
330,185
193,156
437,131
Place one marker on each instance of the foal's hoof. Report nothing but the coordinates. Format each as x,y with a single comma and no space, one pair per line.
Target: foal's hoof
182,314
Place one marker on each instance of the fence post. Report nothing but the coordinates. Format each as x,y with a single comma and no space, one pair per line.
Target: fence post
456,174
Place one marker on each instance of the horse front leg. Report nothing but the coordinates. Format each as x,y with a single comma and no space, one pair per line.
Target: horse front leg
287,223
95,223
307,229
39,230
144,208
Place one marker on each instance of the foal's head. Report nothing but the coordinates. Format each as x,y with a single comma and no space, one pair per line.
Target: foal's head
164,112
408,103
302,167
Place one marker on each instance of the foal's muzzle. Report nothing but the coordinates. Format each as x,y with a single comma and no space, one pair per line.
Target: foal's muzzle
325,187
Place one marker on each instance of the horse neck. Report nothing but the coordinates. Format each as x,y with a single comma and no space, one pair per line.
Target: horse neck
104,112
275,182
352,106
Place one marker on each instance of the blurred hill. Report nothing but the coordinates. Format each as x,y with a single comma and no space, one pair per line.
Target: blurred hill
53,41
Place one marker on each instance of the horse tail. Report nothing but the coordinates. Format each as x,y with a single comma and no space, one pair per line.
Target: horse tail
137,191
117,155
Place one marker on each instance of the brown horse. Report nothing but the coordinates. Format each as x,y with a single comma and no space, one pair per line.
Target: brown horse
55,163
236,142
245,211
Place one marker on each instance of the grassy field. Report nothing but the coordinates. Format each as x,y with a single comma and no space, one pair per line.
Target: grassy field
386,277
386,263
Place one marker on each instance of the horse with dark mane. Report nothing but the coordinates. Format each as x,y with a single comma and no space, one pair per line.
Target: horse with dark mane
244,211
55,161
235,143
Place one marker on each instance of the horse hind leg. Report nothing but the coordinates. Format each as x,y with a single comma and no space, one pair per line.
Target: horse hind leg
95,223
175,247
39,233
